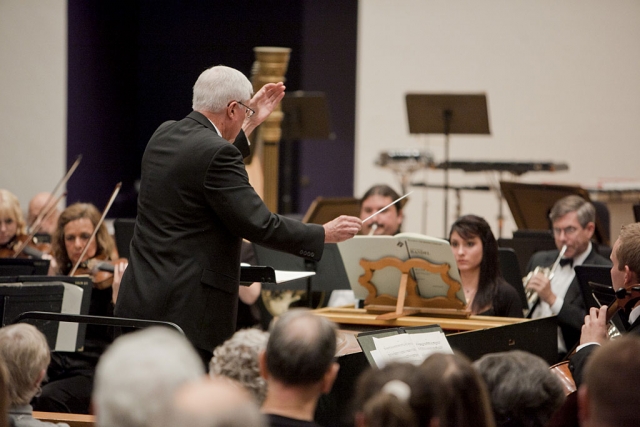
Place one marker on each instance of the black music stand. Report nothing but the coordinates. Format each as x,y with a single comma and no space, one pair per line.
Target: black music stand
306,116
447,114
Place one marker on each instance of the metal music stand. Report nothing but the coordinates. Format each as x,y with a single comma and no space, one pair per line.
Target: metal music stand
306,116
447,114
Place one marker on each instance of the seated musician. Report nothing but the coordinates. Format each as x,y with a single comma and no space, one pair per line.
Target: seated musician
476,252
71,374
386,223
625,273
12,224
36,204
573,220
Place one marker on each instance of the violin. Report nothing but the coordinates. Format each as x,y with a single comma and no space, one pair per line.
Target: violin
626,298
23,247
100,270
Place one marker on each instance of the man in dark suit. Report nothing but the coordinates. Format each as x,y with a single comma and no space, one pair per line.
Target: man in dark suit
573,220
625,273
194,207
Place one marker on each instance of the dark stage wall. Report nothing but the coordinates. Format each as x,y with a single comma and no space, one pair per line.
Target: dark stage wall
132,65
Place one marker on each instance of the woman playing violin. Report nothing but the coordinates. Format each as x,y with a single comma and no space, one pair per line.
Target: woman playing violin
71,374
75,226
12,224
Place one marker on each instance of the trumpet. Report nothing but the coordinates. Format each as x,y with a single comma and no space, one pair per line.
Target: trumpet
548,272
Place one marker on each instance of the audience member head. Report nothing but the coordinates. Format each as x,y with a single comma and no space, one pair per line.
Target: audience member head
237,358
11,220
625,257
524,392
394,396
462,399
36,205
301,350
386,223
225,93
136,377
213,403
609,394
573,220
75,226
476,251
25,352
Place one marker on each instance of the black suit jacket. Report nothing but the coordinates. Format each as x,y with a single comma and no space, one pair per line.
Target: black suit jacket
578,361
572,313
194,207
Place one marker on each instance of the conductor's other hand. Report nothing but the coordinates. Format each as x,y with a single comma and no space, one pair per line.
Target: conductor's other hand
342,228
263,102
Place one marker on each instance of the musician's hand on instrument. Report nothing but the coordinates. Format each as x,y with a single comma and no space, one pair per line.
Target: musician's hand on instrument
342,228
595,326
263,103
542,286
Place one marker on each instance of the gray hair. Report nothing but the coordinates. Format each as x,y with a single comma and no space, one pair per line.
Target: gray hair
26,354
523,390
301,347
237,358
585,210
219,85
138,374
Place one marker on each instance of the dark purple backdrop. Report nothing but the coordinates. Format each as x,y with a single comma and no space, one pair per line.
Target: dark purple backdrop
132,65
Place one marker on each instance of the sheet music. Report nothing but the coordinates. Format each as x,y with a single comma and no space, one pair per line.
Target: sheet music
409,348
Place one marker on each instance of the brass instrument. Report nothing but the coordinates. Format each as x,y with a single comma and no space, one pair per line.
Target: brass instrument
548,272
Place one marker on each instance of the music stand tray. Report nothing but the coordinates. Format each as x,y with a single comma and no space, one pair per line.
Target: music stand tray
325,209
447,114
306,116
530,204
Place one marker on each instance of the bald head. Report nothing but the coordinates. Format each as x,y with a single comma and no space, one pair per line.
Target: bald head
36,205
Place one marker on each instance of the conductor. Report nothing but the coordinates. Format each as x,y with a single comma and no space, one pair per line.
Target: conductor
196,204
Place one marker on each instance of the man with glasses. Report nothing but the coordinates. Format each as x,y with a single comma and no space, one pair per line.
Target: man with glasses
196,204
573,220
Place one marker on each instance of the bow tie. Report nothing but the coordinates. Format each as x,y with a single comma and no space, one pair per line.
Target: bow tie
566,261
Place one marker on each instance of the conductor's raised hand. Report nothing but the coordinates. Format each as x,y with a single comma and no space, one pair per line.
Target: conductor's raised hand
342,228
263,103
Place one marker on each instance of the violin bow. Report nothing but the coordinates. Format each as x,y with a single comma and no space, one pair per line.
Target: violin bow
97,227
48,206
35,229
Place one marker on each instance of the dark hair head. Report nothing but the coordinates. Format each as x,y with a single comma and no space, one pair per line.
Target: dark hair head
301,347
382,406
470,226
462,397
385,191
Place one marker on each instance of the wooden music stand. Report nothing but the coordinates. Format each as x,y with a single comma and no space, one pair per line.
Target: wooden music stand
325,209
447,114
530,204
408,301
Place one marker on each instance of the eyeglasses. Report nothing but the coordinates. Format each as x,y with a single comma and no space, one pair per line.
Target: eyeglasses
568,231
249,112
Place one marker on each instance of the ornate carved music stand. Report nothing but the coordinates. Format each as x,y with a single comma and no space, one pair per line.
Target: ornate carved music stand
447,114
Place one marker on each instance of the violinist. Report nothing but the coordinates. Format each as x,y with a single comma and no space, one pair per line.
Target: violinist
70,375
12,224
625,273
36,205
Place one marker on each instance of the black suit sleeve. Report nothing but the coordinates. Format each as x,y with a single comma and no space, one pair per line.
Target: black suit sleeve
242,143
578,362
243,212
